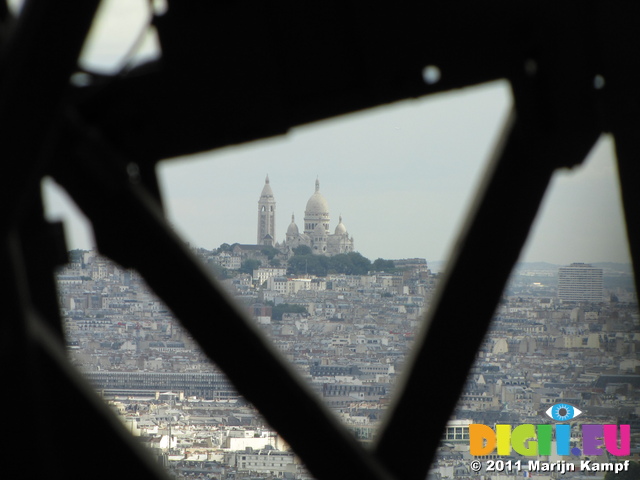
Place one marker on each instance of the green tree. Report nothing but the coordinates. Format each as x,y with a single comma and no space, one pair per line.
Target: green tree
317,265
225,247
380,265
275,263
249,265
311,264
297,265
269,252
341,263
352,263
302,250
361,264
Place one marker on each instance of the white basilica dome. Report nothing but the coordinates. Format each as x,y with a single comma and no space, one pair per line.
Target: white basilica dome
317,205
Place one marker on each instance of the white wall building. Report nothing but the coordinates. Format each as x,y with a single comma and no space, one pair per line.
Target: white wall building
580,282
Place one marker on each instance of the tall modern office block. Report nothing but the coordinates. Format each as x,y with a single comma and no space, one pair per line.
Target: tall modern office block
580,282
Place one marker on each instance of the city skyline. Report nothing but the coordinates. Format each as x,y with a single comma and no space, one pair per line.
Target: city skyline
403,176
580,220
248,362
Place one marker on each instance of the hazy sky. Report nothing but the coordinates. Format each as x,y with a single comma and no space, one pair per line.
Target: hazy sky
402,176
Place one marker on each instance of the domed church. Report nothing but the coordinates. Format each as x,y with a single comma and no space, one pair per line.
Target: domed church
316,234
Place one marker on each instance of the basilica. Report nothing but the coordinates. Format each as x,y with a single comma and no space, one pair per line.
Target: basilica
316,234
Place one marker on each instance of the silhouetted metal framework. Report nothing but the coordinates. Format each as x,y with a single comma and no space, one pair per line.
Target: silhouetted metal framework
236,71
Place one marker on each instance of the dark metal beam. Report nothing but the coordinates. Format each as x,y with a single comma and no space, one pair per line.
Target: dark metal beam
232,73
36,62
38,56
626,142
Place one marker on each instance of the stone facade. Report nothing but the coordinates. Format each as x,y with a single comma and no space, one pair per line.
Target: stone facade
316,234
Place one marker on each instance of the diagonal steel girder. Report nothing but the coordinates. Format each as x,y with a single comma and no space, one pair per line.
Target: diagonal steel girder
38,56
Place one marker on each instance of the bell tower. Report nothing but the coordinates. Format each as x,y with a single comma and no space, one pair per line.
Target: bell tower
266,216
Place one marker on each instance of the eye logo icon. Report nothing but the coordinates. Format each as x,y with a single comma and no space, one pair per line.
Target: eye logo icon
562,412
